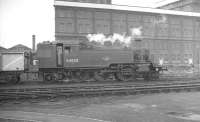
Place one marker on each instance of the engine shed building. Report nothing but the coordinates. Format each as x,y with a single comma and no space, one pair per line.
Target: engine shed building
173,36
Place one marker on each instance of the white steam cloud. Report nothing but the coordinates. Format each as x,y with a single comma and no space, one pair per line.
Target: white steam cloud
116,39
136,32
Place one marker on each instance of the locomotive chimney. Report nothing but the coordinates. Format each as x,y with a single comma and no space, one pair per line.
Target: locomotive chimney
33,43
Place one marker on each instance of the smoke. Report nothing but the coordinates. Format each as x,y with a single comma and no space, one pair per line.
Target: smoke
99,38
123,39
136,32
116,39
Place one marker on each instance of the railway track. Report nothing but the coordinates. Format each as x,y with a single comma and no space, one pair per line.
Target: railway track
95,89
28,84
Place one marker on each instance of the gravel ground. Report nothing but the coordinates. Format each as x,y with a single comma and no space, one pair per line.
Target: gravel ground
172,107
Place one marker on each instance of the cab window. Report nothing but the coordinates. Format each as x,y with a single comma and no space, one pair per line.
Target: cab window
67,50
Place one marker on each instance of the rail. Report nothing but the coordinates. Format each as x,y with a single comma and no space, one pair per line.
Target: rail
98,89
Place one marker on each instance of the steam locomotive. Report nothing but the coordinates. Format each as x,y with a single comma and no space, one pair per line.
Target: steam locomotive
75,61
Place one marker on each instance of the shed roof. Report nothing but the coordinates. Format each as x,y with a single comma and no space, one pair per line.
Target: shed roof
19,46
125,8
2,48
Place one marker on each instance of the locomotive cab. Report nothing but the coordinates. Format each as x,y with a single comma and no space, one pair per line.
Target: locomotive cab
52,57
66,53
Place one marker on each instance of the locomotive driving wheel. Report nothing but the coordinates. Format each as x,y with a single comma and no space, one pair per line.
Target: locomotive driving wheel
48,77
13,79
125,74
61,76
84,75
75,76
80,76
101,76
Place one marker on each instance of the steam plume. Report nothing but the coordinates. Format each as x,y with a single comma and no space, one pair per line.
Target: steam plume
120,39
136,32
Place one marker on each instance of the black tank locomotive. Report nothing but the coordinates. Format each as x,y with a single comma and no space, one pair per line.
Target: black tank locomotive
74,61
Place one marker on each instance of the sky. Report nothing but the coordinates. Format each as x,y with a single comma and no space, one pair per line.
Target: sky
20,19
